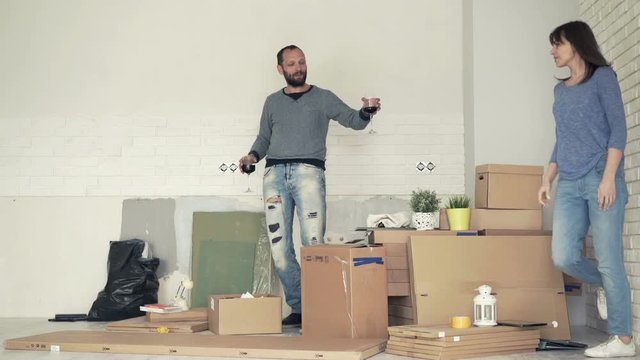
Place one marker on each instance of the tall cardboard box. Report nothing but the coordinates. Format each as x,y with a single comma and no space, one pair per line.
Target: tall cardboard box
501,186
232,315
344,291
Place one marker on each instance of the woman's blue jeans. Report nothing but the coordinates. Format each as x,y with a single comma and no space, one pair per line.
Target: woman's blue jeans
287,187
576,208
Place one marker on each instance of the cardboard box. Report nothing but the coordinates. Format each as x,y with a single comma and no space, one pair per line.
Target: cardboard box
507,186
232,315
344,291
527,285
499,219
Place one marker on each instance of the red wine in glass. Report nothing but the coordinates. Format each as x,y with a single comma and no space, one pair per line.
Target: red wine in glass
370,109
248,168
371,106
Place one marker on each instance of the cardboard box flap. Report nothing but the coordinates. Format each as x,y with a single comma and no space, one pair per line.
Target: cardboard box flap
508,261
510,169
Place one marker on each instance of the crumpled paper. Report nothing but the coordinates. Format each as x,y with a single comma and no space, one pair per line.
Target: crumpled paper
395,220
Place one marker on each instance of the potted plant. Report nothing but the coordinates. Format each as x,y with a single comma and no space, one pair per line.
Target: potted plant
459,212
425,205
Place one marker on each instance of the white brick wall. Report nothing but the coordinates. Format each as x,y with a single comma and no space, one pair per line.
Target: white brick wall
616,25
156,156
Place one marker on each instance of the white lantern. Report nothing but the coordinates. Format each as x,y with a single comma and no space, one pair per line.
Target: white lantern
484,307
180,299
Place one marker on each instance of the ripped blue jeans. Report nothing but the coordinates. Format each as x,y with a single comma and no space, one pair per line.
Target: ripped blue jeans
287,187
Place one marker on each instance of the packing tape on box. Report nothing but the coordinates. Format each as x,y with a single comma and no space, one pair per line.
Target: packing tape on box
460,322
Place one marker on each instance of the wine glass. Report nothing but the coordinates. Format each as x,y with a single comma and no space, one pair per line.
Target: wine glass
371,105
248,168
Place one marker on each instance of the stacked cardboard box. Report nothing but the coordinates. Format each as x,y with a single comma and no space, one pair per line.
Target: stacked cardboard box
448,343
506,197
507,186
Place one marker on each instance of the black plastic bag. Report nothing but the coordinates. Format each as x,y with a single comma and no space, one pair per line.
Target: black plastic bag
131,282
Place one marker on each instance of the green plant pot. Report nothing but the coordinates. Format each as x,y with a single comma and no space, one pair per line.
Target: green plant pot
459,218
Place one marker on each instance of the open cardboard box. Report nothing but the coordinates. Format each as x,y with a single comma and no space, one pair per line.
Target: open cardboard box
232,315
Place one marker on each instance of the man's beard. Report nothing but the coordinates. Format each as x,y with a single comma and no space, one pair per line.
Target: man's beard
292,81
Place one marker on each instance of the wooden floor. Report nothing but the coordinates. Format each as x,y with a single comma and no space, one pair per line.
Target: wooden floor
19,327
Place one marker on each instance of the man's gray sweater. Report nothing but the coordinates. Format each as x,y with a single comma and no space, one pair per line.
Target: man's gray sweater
293,128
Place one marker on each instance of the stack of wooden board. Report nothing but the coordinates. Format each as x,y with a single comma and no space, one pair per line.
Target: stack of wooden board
238,346
448,343
189,321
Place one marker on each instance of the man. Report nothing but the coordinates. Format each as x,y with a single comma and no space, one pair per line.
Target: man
292,137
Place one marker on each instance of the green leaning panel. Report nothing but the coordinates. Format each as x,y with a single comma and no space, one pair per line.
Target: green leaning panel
223,258
224,267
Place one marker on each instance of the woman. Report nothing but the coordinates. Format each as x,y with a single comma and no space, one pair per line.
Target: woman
588,157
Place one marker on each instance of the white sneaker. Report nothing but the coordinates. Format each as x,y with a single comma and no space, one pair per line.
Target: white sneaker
601,303
614,347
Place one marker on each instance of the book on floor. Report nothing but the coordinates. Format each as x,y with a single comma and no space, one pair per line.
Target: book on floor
161,308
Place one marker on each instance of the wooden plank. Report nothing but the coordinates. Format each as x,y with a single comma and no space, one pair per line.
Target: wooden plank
452,357
531,343
401,311
397,263
400,300
470,339
398,276
140,324
398,289
435,332
196,314
395,321
396,249
398,236
277,347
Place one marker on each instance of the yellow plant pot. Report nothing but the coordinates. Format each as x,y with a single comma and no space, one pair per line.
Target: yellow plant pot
459,218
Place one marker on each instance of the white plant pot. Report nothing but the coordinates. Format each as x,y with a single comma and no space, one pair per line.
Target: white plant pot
425,221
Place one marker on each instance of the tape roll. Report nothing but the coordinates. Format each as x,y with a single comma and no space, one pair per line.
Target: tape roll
460,322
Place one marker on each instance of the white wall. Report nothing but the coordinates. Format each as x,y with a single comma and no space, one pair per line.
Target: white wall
148,98
104,101
616,26
512,80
